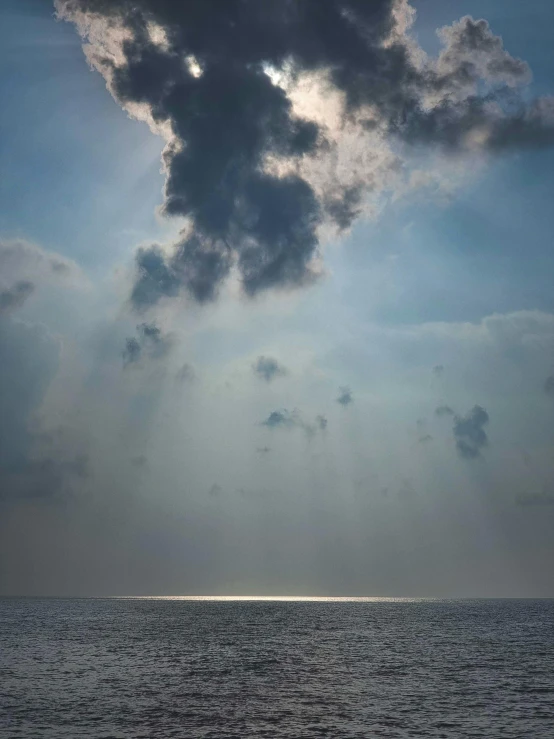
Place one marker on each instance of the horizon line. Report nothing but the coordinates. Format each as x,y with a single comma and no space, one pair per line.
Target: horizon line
286,598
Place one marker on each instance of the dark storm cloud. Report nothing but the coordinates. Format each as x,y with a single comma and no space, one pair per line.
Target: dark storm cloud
549,385
197,70
268,368
345,396
14,297
444,410
478,104
469,432
197,264
151,342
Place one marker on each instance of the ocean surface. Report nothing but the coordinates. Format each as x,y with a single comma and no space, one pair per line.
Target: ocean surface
199,668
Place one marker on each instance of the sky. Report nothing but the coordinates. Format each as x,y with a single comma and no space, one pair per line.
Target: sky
276,307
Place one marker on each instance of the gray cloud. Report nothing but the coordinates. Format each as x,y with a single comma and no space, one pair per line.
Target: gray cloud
185,373
469,432
534,499
21,261
281,419
29,363
438,370
268,368
158,343
155,278
549,385
45,477
132,352
345,396
198,73
285,419
406,489
345,207
151,342
444,410
14,297
140,461
321,422
33,464
473,53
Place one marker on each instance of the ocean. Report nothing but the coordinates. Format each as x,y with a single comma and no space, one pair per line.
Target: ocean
157,667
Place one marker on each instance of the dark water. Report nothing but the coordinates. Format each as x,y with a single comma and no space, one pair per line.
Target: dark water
162,668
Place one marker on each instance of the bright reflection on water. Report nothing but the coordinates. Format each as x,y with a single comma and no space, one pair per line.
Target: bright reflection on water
282,598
